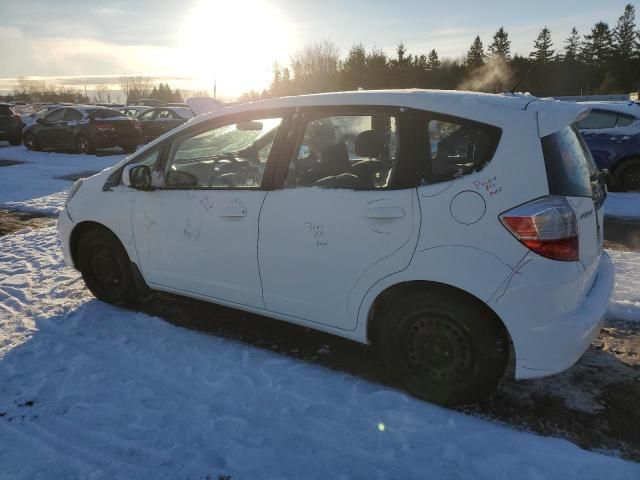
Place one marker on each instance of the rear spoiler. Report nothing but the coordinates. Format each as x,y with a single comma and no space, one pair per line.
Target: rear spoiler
554,115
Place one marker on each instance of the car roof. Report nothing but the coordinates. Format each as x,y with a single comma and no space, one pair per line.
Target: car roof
629,108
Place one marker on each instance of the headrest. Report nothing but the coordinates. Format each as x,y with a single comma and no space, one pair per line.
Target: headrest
369,144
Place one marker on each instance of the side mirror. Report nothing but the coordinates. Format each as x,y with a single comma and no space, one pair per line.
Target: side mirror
138,177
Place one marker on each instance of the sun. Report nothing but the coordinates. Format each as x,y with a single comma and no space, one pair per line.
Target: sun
234,42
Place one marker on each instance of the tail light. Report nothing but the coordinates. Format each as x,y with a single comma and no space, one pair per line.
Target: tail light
547,226
104,127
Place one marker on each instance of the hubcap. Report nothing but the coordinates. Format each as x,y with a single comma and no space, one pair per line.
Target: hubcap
105,268
83,145
439,348
632,178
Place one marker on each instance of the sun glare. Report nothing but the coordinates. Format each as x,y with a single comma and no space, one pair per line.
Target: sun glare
234,42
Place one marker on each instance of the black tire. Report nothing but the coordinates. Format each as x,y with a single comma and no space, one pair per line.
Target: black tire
627,175
84,146
129,148
442,346
106,268
29,140
15,141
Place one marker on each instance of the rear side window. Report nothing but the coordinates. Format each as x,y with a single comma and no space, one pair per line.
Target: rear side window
72,115
569,163
457,147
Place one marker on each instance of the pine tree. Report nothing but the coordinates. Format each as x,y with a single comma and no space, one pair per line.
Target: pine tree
572,46
501,45
433,62
543,53
597,47
625,35
476,55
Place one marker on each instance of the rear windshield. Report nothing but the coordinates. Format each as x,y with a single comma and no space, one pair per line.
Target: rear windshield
104,113
569,163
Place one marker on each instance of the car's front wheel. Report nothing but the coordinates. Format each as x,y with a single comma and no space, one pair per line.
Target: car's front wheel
29,141
627,176
83,145
106,268
443,346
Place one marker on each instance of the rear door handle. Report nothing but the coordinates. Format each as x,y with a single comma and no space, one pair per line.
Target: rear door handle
233,212
384,212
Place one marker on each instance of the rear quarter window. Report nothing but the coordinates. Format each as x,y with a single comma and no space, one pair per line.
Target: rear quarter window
569,163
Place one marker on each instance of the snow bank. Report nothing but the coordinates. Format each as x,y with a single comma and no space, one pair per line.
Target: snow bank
623,205
93,391
625,301
33,186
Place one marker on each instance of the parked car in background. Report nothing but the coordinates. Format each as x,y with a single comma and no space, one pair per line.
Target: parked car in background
158,121
454,260
40,113
612,133
10,124
83,128
133,111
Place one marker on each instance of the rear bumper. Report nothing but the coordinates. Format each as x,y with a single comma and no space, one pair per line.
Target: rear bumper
108,140
546,343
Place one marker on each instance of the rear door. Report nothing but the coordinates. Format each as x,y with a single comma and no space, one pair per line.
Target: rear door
339,222
71,119
148,124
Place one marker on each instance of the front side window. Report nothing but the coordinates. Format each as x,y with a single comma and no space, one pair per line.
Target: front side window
346,151
231,156
147,115
457,148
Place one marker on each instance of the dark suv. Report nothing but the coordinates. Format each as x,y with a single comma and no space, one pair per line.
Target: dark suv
84,129
10,124
612,133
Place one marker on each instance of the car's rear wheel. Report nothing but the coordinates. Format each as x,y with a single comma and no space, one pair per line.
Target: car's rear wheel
29,141
17,140
83,145
106,268
627,176
443,346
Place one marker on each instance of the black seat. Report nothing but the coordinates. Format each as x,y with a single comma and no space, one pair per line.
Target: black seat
369,144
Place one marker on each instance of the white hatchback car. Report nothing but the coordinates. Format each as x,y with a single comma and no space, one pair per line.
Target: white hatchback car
459,233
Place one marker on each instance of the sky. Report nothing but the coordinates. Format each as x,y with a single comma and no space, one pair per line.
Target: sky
189,43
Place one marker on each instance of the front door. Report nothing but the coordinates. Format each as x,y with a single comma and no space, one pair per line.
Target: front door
197,233
338,225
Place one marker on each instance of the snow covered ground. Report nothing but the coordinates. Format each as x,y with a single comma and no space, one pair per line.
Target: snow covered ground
33,185
93,391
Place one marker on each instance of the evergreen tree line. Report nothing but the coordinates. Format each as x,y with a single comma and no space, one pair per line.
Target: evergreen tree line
604,60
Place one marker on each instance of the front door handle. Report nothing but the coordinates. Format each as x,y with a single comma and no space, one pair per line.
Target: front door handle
384,212
233,212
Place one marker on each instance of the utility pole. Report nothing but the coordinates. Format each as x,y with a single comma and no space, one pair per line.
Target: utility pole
215,87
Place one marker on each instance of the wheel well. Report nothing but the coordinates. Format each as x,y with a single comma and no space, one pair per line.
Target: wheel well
384,299
77,233
623,161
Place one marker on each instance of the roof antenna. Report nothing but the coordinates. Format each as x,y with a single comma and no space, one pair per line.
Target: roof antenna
517,84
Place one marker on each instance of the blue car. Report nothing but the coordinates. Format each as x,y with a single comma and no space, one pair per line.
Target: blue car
612,133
